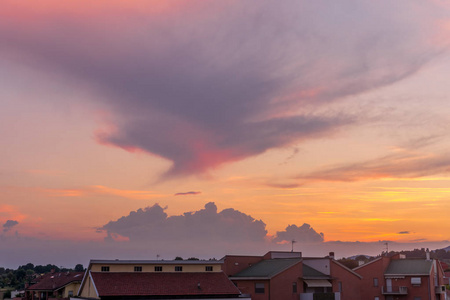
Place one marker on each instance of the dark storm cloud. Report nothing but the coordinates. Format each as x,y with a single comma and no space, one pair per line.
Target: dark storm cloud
302,234
210,85
9,224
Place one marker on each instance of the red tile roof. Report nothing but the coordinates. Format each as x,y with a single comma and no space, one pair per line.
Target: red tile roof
54,281
168,284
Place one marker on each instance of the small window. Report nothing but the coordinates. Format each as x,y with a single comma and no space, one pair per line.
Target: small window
70,293
294,287
340,286
208,268
417,298
259,288
416,280
158,268
178,268
138,269
377,298
375,282
105,268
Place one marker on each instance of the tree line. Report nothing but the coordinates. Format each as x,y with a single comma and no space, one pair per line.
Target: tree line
16,279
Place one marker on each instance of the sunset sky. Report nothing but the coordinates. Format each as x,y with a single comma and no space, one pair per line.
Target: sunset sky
200,128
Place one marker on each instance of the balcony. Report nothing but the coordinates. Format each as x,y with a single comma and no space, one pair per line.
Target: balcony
439,289
394,290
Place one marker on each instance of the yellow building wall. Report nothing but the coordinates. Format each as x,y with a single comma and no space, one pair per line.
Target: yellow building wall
74,287
151,267
88,290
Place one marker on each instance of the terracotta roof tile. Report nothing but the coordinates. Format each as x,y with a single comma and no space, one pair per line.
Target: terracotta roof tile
146,284
54,281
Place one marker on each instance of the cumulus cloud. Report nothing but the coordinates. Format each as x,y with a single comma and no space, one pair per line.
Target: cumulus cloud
203,226
9,224
302,234
218,82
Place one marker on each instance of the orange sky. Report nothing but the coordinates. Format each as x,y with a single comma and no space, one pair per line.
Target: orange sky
111,106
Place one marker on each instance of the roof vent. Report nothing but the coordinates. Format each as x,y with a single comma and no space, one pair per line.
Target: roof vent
198,286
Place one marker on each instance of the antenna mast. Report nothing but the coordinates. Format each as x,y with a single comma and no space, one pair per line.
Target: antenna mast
292,243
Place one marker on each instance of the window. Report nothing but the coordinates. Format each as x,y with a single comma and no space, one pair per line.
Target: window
105,268
178,268
208,268
417,298
259,288
70,293
416,280
158,268
138,269
340,286
294,288
375,282
377,298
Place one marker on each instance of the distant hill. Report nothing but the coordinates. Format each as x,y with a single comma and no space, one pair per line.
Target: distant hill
446,249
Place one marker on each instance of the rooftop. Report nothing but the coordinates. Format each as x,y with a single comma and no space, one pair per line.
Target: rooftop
162,284
55,281
409,267
268,268
155,262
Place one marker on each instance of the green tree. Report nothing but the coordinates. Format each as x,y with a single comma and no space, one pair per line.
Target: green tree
79,268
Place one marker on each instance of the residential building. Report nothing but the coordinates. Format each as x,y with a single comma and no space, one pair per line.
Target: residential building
399,278
156,279
288,275
55,285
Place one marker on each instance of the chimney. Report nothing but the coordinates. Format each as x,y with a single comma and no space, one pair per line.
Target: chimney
331,255
427,253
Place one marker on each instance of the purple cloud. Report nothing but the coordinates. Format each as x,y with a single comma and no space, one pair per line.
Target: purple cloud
9,224
302,234
206,86
203,226
188,193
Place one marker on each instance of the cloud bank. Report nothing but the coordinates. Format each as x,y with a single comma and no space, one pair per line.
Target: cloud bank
213,83
203,227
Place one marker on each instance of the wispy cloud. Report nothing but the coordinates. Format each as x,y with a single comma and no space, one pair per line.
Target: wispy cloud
187,193
399,165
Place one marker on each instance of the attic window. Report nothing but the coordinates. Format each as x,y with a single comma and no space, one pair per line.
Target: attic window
138,268
158,268
105,268
208,268
416,280
178,269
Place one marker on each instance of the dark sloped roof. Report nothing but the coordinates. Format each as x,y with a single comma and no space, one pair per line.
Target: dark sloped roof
268,268
54,281
409,267
311,273
162,284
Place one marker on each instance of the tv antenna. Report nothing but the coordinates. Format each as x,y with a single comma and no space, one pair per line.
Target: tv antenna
387,248
292,244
